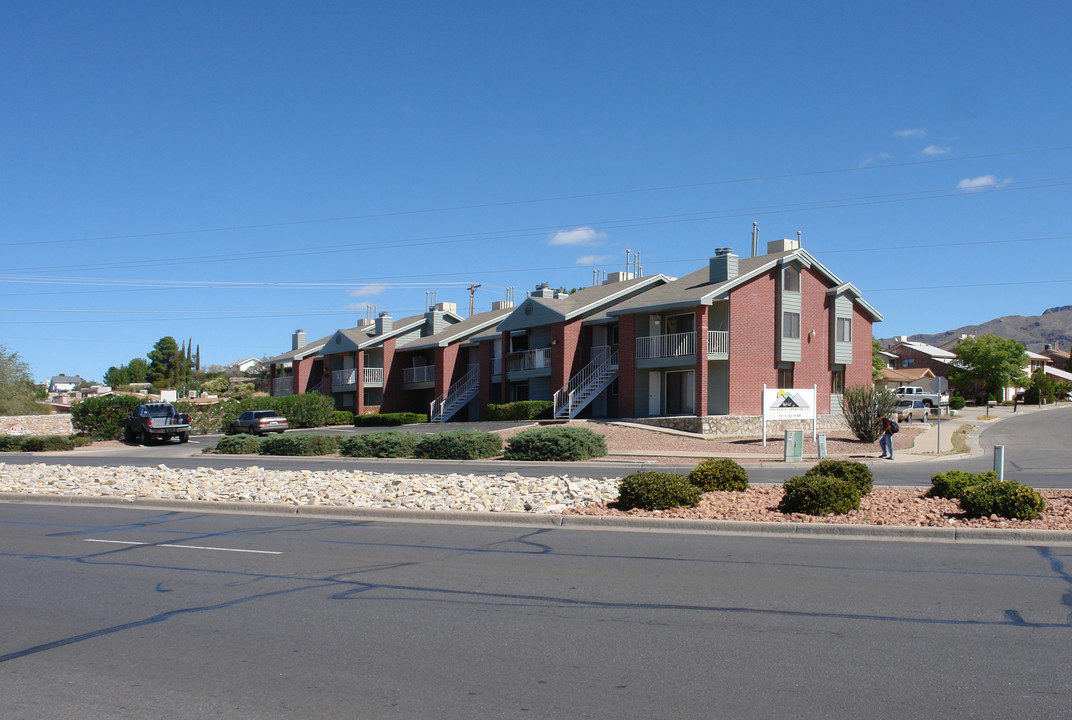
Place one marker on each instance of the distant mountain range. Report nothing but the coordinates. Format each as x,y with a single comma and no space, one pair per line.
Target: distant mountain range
1053,327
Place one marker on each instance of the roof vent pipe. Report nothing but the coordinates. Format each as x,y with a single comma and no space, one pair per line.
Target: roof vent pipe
755,239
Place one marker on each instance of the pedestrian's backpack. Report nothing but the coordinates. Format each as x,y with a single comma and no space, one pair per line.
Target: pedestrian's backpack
894,427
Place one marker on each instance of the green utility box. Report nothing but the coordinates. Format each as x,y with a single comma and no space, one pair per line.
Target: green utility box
794,445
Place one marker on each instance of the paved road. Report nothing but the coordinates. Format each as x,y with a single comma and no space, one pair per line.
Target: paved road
322,618
1038,452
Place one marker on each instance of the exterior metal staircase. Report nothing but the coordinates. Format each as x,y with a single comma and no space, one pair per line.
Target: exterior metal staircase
587,384
456,397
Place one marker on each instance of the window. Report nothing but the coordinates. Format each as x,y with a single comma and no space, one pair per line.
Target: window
791,325
791,280
908,362
680,323
844,329
837,382
785,377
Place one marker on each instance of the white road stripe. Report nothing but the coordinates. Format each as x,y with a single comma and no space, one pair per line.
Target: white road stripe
185,547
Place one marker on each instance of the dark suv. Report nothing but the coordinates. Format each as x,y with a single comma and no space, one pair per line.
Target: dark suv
258,422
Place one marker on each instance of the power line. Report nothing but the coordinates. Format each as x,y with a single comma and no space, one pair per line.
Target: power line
531,201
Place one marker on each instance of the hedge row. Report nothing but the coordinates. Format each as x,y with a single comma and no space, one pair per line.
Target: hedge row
556,443
301,411
520,410
399,418
42,443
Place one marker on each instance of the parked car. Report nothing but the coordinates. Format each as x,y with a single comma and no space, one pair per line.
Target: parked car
909,410
156,421
258,422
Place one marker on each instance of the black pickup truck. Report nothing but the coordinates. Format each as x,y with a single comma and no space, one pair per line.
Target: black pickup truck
157,421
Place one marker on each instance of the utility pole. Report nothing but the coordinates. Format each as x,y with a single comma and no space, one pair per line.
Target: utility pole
472,297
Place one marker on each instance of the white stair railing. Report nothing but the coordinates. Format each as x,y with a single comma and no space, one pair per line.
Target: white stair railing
456,397
585,385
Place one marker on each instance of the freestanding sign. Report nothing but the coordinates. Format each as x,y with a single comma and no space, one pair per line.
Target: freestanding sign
788,404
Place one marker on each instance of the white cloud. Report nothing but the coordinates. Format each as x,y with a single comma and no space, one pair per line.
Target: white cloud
366,290
912,134
578,236
595,259
980,182
933,150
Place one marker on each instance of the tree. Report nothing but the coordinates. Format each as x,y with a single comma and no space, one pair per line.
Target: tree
864,406
878,363
986,365
162,361
1040,386
137,370
16,386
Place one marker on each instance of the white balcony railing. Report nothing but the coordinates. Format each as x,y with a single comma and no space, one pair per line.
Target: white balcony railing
718,342
419,374
342,378
529,360
283,386
373,375
663,346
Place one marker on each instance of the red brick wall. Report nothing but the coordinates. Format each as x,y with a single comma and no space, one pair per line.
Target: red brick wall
565,338
446,360
627,366
504,386
484,393
359,394
392,378
859,372
751,357
703,316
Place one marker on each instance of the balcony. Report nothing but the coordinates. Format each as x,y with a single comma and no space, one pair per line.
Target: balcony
418,375
718,344
282,386
373,376
341,379
666,346
538,359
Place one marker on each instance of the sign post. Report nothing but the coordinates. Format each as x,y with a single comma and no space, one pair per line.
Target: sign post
788,404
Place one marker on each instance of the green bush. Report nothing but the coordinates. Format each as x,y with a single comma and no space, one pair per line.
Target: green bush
391,443
299,444
40,443
656,491
459,445
239,445
556,443
103,418
309,410
855,472
719,474
1007,499
520,410
12,443
951,484
957,402
399,418
80,440
819,495
344,417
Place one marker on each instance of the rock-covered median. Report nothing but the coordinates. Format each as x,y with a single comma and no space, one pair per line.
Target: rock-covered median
507,493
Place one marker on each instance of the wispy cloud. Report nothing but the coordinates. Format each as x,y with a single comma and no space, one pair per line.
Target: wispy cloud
578,236
366,290
595,259
911,134
933,150
983,181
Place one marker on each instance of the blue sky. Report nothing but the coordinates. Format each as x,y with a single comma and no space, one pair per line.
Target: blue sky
230,172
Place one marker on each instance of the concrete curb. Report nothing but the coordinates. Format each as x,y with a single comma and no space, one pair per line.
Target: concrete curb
573,522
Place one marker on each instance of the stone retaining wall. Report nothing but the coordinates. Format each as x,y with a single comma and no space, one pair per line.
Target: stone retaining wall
58,424
737,426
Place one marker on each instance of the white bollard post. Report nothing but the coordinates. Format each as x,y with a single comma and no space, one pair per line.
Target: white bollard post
999,461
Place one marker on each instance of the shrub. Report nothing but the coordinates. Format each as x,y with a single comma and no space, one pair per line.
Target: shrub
81,440
556,443
951,484
12,443
854,472
309,410
1005,499
459,445
819,495
103,418
719,474
47,443
864,407
343,417
520,410
656,491
390,443
239,445
299,444
957,402
400,418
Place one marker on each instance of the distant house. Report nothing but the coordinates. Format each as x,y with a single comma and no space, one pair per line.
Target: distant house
244,365
907,354
921,377
64,383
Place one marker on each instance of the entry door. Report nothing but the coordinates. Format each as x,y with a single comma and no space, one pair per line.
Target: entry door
681,392
655,381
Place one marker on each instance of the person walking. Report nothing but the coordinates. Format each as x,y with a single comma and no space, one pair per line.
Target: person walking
889,427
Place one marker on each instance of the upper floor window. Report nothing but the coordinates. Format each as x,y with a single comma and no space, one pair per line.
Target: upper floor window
791,325
785,376
908,362
844,329
791,279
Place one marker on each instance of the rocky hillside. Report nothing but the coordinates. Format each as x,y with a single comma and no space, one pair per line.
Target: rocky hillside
1053,327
